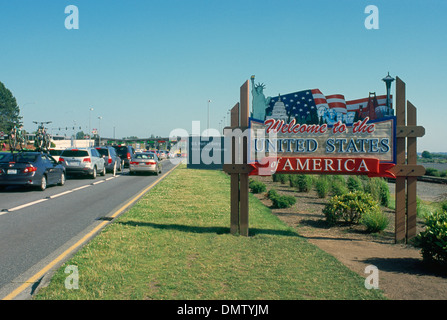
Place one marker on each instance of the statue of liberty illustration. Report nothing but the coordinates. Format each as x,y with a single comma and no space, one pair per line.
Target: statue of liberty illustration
259,101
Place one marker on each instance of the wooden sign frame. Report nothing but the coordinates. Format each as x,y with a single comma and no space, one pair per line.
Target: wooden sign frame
406,169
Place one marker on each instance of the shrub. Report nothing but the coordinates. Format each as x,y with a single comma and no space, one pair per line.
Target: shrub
433,240
444,205
304,182
283,178
354,183
349,207
322,186
257,186
379,190
283,201
432,172
280,201
338,186
272,193
421,208
374,220
275,177
293,180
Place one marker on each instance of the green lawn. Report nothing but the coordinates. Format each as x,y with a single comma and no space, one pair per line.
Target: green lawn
175,244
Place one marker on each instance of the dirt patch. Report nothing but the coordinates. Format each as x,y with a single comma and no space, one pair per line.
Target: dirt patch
402,274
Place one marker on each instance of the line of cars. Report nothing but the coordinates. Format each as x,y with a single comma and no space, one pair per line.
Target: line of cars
40,169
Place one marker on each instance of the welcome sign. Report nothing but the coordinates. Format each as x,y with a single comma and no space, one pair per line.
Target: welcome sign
362,148
306,132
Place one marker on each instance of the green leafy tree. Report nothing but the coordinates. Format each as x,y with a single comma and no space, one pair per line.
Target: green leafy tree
80,135
427,155
9,111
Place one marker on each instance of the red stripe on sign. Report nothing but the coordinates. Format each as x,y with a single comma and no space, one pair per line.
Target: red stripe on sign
323,165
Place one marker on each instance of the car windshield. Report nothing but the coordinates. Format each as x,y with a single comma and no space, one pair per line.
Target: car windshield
144,156
121,150
55,152
103,152
18,157
5,157
75,153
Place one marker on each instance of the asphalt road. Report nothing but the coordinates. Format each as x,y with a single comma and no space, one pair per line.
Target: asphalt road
37,226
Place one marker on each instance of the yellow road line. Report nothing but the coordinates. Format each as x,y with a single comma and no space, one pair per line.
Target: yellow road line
84,239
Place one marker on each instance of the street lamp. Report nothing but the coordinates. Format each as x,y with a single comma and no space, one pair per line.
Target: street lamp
208,125
99,132
388,80
89,126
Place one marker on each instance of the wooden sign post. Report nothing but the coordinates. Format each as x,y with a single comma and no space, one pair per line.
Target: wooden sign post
406,169
239,168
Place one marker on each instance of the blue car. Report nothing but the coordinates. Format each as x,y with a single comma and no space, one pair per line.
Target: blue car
34,169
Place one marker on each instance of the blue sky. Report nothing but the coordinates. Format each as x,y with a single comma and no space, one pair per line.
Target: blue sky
148,67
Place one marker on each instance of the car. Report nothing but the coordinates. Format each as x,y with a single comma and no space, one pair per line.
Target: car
55,153
125,153
145,162
83,161
162,154
112,160
31,169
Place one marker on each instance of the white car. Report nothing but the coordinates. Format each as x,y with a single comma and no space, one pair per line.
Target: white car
83,161
145,162
55,153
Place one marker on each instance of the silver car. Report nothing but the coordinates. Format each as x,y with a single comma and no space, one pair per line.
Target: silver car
145,162
83,161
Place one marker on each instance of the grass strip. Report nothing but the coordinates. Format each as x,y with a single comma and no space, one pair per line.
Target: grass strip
174,243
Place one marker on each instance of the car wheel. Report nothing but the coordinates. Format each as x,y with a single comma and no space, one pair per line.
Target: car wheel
43,183
103,172
62,181
93,175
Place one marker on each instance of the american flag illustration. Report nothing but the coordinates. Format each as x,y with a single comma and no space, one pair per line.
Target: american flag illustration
310,106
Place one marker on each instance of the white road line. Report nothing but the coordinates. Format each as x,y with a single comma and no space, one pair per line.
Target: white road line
27,205
61,194
83,187
55,196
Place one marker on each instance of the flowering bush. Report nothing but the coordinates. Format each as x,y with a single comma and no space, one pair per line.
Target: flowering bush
433,240
349,207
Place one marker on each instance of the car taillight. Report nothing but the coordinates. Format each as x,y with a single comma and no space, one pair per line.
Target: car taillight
29,169
128,155
110,160
150,162
87,160
61,159
133,162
